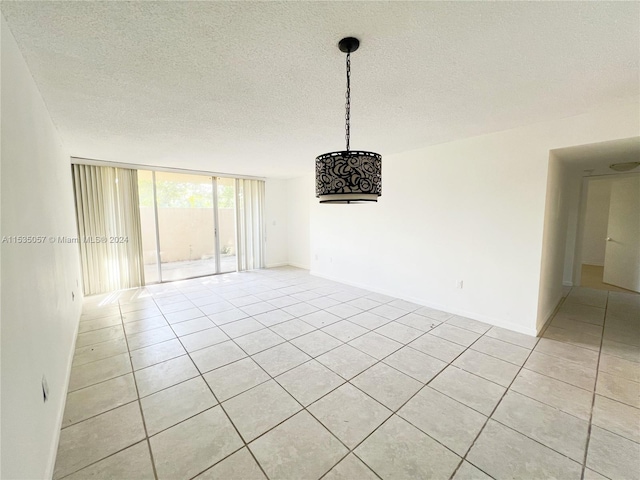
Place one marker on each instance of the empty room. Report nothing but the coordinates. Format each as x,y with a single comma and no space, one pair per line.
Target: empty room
247,240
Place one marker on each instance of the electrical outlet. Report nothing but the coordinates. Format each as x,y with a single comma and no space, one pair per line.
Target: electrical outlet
459,284
45,389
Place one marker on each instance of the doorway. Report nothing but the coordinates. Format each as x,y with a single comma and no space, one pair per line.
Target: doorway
570,171
610,243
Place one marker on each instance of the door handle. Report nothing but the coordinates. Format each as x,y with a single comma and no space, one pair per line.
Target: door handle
609,239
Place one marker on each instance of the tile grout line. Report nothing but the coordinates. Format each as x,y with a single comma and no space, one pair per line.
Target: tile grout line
464,457
103,458
98,359
313,331
378,361
286,391
312,358
201,375
507,390
162,314
146,439
395,412
135,382
522,367
304,408
348,381
593,398
450,364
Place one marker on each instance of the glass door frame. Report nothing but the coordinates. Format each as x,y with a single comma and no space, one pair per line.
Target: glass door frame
216,223
157,232
216,230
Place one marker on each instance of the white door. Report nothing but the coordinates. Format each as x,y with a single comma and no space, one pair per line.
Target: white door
622,254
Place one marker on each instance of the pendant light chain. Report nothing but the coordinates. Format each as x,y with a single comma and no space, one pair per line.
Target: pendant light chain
348,176
347,116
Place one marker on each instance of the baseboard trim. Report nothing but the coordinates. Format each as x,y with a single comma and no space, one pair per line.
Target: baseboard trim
567,284
299,265
456,311
54,452
545,324
276,265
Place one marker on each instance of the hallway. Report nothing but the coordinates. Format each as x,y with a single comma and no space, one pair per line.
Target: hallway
592,278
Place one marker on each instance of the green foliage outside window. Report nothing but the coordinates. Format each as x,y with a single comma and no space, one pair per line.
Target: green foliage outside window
173,194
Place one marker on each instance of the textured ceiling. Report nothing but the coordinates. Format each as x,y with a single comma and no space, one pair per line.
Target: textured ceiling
257,88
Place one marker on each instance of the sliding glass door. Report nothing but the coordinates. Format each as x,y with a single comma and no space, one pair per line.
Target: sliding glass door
188,225
226,190
197,225
149,226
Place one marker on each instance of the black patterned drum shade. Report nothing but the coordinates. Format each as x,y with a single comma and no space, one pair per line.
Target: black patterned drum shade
348,176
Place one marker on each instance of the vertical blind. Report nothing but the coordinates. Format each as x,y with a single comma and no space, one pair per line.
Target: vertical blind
250,223
109,231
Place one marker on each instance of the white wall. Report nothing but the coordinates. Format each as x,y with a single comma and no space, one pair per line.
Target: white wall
300,197
574,191
564,189
594,238
470,210
276,222
39,318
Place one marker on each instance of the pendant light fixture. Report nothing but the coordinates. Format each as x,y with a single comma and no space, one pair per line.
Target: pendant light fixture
348,176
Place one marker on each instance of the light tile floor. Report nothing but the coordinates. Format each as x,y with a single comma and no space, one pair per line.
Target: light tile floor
277,374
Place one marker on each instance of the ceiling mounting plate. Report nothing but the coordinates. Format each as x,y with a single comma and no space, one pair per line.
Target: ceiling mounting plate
349,44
